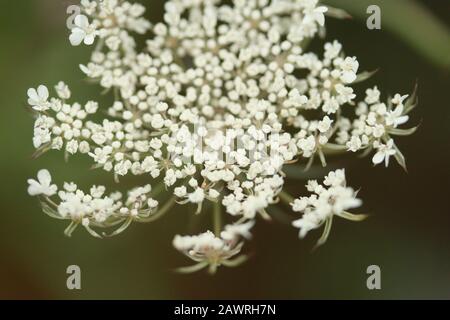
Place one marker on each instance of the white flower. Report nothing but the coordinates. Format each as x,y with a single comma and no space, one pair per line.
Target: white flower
208,250
307,145
197,196
41,136
84,147
234,231
157,121
319,15
38,98
97,191
82,32
335,178
70,187
396,118
214,194
331,106
180,191
43,186
307,223
122,167
62,90
152,203
325,124
385,151
378,131
354,144
252,205
372,95
299,205
349,68
332,49
91,107
398,99
72,146
202,246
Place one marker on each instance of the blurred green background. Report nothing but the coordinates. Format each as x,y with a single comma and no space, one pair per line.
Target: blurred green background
408,235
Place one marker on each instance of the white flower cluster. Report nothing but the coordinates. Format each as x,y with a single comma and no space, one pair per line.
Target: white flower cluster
330,199
221,98
212,251
93,209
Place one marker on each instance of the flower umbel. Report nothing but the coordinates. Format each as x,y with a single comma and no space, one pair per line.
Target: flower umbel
212,251
209,113
333,198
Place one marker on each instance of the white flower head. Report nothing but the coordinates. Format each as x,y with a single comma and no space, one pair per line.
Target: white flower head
208,250
222,98
333,198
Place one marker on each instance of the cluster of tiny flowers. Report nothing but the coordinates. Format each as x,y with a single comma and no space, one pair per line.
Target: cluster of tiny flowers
327,200
212,251
223,95
92,209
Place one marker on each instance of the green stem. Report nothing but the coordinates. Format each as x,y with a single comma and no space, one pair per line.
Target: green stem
325,234
156,190
286,197
167,206
217,218
51,202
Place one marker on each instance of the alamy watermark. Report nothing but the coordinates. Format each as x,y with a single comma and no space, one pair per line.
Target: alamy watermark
199,144
73,11
74,279
374,20
374,280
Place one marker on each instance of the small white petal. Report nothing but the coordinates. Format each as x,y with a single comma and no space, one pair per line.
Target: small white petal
32,95
77,37
81,21
43,92
378,158
34,188
89,39
44,177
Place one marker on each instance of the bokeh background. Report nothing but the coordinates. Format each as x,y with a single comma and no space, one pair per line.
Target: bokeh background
408,234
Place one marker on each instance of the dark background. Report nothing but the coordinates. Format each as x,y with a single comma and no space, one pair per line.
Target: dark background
407,235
